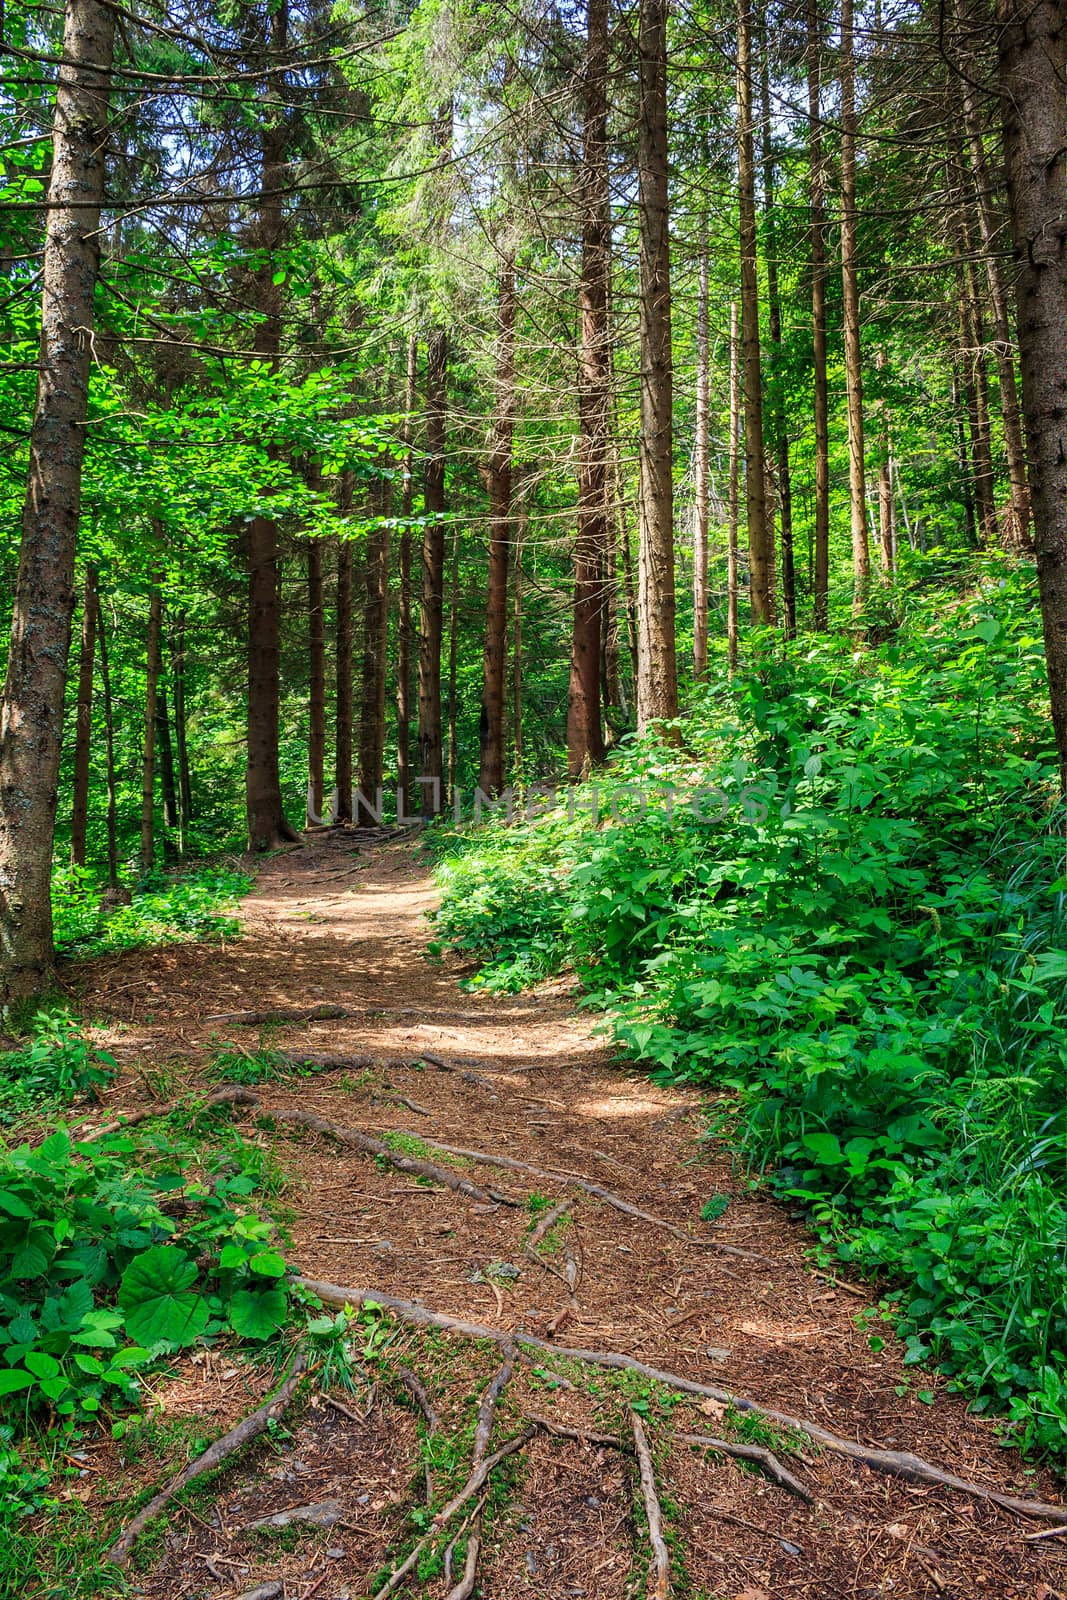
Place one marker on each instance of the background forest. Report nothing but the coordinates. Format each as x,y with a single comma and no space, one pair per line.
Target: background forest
623,396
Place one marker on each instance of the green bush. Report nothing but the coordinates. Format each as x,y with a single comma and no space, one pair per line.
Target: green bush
53,1067
864,954
197,904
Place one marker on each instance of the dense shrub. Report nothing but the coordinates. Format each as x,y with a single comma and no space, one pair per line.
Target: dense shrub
860,945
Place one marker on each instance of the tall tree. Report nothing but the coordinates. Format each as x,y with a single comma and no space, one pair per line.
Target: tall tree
760,531
431,615
491,726
342,743
817,232
779,427
375,643
31,710
850,298
702,455
1033,63
153,658
83,730
657,666
316,621
268,826
585,742
403,618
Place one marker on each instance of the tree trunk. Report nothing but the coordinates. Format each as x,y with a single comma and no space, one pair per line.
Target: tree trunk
79,822
453,658
585,740
702,463
148,746
733,506
433,576
31,710
268,826
850,299
516,642
657,667
760,533
774,317
109,755
817,202
491,726
375,648
343,663
970,355
403,642
168,788
989,232
962,458
316,681
1033,60
177,671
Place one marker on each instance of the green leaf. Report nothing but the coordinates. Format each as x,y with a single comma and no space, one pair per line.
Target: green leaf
10,1382
42,1365
268,1263
14,1204
159,1301
257,1314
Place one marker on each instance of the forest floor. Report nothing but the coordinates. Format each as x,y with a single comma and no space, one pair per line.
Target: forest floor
737,1303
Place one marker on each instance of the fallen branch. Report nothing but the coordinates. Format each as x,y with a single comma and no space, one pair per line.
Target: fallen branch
594,1189
659,1579
244,1433
226,1094
358,1140
901,1464
765,1459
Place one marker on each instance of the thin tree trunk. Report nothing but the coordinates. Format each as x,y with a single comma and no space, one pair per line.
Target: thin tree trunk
375,646
148,746
516,641
433,574
168,787
1033,61
453,650
774,316
702,463
343,663
585,740
733,505
962,457
760,533
491,726
31,710
850,296
181,741
109,755
886,529
817,209
977,415
989,233
316,680
268,826
404,633
657,667
79,822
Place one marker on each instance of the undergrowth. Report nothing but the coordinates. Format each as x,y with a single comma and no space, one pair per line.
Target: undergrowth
834,897
195,904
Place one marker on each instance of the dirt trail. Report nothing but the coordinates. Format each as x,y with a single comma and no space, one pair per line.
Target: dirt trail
329,927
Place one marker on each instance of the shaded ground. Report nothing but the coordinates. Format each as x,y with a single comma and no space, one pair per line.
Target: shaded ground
341,923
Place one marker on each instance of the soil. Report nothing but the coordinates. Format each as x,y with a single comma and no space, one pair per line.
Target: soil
341,924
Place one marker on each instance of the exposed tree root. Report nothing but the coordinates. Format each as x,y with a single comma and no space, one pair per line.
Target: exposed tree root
764,1459
465,1587
420,1394
358,1140
569,1274
594,1189
256,1019
901,1464
471,1488
563,1430
245,1431
659,1578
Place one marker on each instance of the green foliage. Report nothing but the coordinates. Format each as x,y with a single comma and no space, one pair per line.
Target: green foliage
163,910
52,1068
110,1259
861,948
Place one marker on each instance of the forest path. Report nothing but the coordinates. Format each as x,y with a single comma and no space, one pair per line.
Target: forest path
341,925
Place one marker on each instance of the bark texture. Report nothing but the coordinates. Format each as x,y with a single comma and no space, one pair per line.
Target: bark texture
403,619
431,617
31,710
850,298
1033,64
79,820
760,531
491,725
375,639
657,668
817,226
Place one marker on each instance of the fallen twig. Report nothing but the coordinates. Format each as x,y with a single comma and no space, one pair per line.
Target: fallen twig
900,1464
765,1459
595,1189
245,1431
659,1578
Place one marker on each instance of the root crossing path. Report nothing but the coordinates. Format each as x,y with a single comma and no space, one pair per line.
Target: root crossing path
562,1381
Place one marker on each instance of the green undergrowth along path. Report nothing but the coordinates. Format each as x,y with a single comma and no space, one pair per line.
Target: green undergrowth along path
115,1255
835,899
197,903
